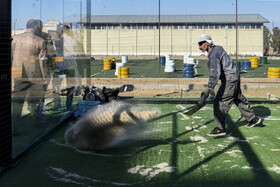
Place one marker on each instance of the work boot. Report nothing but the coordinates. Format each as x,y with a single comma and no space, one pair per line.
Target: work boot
254,122
217,132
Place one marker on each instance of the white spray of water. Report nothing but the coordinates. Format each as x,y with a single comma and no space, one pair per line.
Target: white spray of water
109,125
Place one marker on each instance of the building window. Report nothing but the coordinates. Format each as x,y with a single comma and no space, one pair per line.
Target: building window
145,26
165,26
211,26
231,26
206,26
175,26
140,26
183,26
98,27
241,26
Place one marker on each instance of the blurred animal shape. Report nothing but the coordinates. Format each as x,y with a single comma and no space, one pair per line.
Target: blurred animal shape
97,129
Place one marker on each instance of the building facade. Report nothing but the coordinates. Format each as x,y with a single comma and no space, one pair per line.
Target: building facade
139,34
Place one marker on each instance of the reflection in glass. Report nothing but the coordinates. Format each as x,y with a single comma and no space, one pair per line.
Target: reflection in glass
50,58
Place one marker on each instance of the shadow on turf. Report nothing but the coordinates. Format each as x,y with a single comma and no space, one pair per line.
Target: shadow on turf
260,176
259,111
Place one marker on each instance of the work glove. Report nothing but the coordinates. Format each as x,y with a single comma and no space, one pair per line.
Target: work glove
207,91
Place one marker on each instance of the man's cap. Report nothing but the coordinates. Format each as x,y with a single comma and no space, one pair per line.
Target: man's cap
61,28
204,37
33,23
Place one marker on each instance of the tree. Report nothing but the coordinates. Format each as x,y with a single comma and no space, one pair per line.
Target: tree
267,37
275,39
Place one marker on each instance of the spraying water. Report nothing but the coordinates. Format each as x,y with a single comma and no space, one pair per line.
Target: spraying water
108,125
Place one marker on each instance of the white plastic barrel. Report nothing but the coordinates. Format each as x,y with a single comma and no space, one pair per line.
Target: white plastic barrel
124,59
167,57
117,67
169,66
188,60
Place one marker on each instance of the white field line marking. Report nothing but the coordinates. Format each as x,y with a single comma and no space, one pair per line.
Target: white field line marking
203,126
184,116
233,153
135,169
275,168
180,107
161,151
206,108
235,138
252,138
204,166
271,118
194,128
61,175
151,172
94,153
199,149
247,167
196,117
234,166
79,151
275,149
188,128
199,139
165,122
222,146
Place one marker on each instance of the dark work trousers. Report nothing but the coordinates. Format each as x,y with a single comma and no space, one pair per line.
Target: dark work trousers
228,94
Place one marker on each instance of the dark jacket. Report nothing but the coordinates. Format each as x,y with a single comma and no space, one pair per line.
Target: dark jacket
221,67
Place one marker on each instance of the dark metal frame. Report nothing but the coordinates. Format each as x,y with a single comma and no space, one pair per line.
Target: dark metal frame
5,86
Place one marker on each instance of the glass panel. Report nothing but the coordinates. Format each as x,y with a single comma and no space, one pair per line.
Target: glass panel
75,37
51,56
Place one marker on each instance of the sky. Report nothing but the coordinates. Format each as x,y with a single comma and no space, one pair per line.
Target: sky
23,10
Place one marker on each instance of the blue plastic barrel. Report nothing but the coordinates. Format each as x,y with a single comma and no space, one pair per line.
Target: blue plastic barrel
188,71
246,65
162,60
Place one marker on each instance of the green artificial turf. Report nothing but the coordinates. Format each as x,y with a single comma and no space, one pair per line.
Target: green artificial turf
173,150
146,68
31,127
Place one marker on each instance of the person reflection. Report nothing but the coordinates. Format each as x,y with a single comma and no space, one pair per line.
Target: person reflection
65,66
27,68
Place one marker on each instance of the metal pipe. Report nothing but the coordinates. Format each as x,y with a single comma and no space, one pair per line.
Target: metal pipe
236,28
158,38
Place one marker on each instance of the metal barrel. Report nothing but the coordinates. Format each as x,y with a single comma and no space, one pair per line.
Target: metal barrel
162,60
188,71
246,65
262,60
